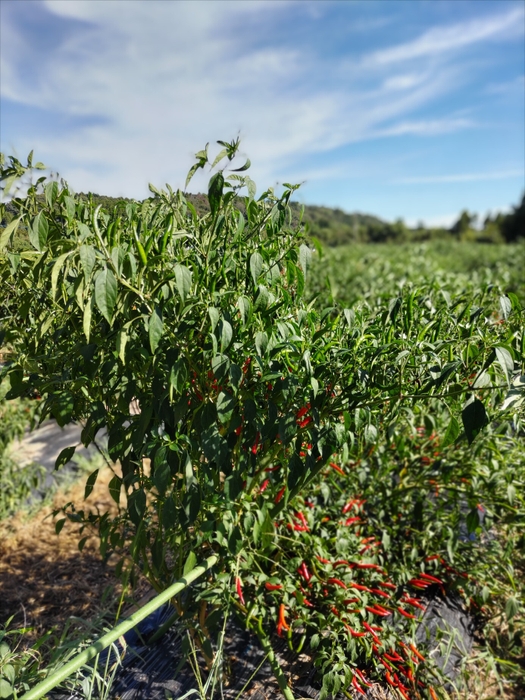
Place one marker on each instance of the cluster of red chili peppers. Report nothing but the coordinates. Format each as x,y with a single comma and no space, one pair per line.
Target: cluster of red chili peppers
398,665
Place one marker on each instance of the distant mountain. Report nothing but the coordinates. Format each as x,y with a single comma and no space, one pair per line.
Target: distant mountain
334,227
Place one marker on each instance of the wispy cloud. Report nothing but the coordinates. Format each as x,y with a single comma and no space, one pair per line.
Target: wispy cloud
459,177
142,89
444,39
427,128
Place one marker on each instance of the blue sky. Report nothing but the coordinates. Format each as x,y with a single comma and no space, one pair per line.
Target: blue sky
411,109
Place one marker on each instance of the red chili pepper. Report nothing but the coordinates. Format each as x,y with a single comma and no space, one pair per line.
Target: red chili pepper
351,521
239,590
348,506
301,518
390,680
323,561
416,652
273,586
369,629
434,556
343,562
306,421
413,602
428,577
273,469
432,693
334,611
377,610
255,445
349,601
370,566
337,582
418,583
362,677
282,624
353,632
357,686
359,587
403,691
386,584
393,657
378,592
406,614
280,494
337,468
303,411
386,664
264,485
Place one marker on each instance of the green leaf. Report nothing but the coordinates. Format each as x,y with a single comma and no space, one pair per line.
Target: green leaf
155,329
451,433
120,345
56,271
511,607
511,493
51,193
505,306
305,256
189,564
90,483
256,266
8,232
59,525
287,428
474,418
87,259
506,362
213,313
114,487
226,335
182,281
261,342
86,321
162,476
225,407
215,189
64,456
106,293
220,365
38,232
9,672
136,506
243,167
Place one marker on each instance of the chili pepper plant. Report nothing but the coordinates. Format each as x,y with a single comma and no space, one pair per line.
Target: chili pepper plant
337,459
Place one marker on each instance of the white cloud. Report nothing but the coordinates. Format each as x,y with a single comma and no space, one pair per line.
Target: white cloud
459,177
160,79
444,39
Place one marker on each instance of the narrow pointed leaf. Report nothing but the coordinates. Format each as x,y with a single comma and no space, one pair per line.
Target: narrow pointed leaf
106,293
155,329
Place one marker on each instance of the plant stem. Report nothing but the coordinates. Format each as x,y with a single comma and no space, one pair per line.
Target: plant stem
274,663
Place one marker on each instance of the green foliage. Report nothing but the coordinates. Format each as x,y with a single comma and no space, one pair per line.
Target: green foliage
262,414
19,669
16,483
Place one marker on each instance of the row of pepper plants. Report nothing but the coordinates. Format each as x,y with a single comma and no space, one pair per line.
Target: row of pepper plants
340,461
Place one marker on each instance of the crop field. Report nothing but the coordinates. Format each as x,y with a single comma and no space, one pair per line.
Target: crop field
339,431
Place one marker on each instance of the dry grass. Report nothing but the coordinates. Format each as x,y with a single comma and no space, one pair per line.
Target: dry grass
44,579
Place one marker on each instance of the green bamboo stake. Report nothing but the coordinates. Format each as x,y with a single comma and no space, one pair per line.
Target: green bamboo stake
103,642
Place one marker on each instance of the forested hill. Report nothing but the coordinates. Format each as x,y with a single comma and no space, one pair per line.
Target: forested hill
335,227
